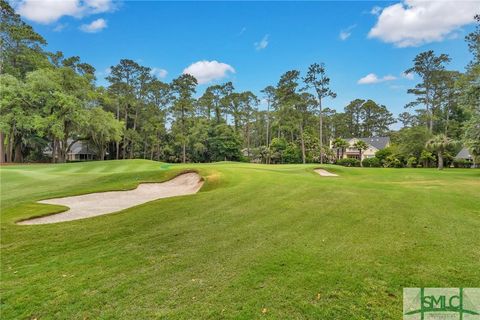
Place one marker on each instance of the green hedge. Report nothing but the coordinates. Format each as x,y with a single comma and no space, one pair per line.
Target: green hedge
462,163
371,162
348,162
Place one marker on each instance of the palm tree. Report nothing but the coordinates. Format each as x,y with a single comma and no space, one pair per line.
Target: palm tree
361,146
439,144
340,145
343,146
335,144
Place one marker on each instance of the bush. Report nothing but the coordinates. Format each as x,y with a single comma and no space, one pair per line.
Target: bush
448,159
393,162
383,154
427,158
462,163
348,162
371,162
292,154
412,162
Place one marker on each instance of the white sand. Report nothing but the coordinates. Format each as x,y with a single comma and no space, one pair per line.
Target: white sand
96,204
325,173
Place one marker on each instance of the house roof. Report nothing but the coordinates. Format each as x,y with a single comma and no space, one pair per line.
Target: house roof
376,142
463,154
80,147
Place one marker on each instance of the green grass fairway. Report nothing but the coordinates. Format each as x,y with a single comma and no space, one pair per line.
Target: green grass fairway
257,242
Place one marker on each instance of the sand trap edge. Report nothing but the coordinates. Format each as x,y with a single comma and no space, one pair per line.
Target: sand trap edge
325,173
65,208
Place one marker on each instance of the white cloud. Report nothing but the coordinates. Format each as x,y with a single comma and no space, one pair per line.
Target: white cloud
376,10
159,73
49,11
99,6
206,71
346,33
262,44
59,27
415,22
95,26
408,76
372,78
388,78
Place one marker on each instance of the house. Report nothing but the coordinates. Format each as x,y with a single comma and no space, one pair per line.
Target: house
464,154
374,144
79,151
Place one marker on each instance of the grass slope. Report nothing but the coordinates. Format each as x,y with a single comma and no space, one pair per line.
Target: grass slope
257,241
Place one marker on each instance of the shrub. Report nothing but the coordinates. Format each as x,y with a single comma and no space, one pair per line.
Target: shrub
427,158
462,163
412,162
393,162
383,154
292,154
348,162
371,162
448,159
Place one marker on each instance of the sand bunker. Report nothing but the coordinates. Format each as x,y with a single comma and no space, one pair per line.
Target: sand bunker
96,204
325,173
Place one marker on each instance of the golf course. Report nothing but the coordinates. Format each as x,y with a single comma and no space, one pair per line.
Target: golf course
255,242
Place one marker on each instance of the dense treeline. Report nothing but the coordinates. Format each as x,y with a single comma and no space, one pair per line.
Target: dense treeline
49,101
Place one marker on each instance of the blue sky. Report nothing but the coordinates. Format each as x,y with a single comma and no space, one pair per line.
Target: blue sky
253,43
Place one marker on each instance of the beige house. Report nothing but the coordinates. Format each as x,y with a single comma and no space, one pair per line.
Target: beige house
374,144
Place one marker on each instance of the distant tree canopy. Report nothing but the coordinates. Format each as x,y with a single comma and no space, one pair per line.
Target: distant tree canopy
49,101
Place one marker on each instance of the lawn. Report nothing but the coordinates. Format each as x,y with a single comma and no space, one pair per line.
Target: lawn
257,242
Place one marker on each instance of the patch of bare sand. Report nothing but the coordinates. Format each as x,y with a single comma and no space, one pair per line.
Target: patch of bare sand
325,173
100,203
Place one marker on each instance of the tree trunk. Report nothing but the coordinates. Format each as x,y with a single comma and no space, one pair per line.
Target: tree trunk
2,147
429,109
124,145
134,129
447,122
268,123
54,150
117,143
302,143
248,140
184,152
102,153
431,121
440,160
65,148
10,147
18,152
321,129
361,163
158,148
